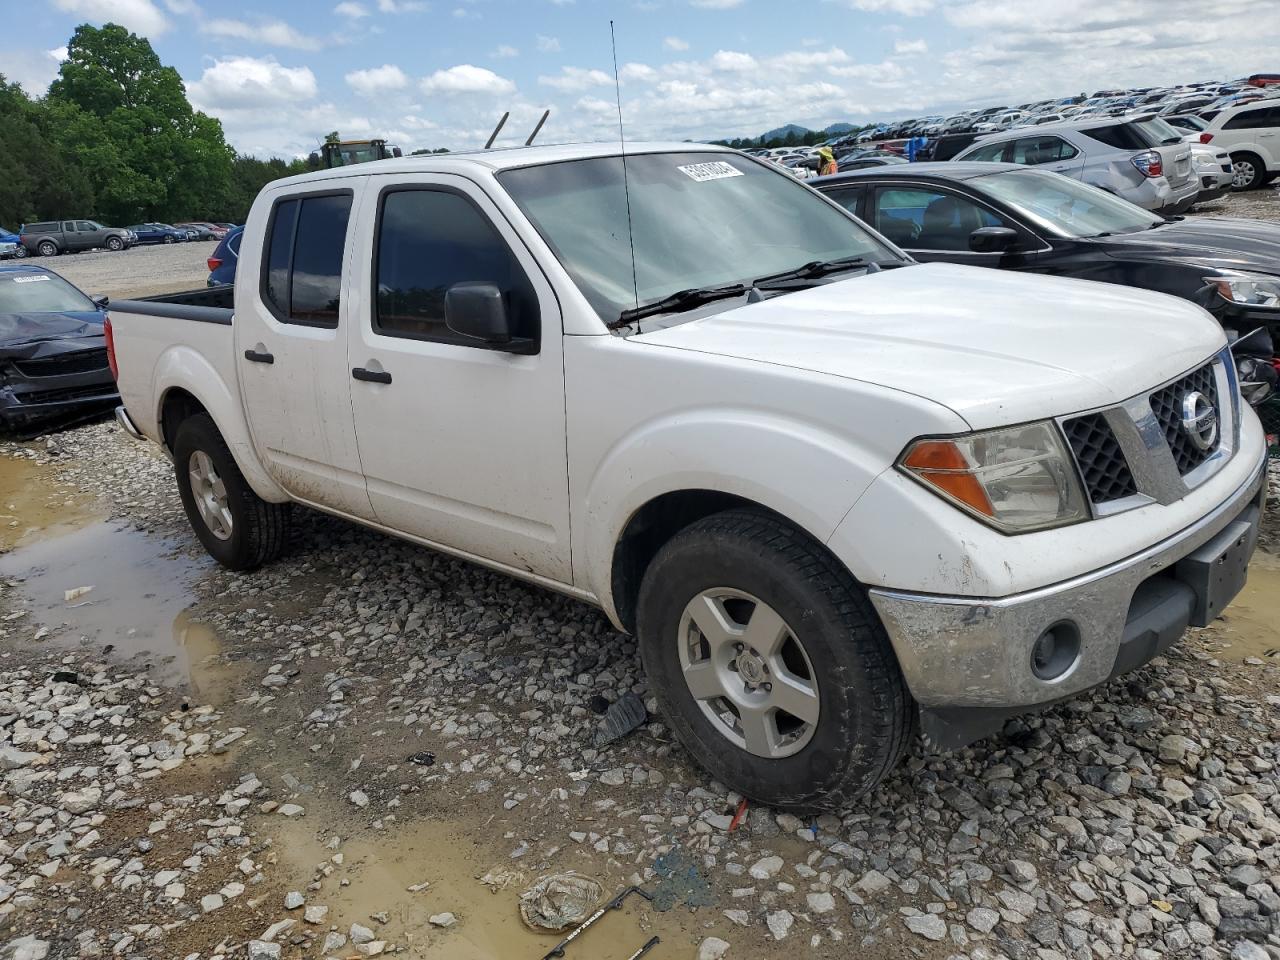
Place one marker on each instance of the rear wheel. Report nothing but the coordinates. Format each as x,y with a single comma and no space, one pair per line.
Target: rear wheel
168,238
771,663
238,528
1248,171
114,243
47,248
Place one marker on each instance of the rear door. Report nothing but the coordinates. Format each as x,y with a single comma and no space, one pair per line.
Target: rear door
462,445
291,349
1257,128
72,238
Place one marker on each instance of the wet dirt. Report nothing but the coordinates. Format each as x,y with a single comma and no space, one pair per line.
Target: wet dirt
137,605
374,876
1253,619
34,505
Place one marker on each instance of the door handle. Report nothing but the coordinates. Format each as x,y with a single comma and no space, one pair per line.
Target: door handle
256,356
371,376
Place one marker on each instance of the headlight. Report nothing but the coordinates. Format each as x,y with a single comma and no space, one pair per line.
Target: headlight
1251,290
1016,479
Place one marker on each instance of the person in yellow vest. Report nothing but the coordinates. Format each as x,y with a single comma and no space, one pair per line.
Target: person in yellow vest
827,162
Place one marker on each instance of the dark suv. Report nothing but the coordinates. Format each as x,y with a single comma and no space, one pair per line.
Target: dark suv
53,237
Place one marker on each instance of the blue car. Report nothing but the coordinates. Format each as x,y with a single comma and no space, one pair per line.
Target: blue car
11,245
158,233
222,264
53,351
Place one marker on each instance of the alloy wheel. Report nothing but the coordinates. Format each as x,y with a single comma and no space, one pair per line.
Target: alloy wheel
748,672
1243,174
210,495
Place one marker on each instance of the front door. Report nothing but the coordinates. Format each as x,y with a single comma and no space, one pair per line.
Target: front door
291,347
934,223
462,444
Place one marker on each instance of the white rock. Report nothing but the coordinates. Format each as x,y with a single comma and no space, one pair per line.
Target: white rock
360,934
983,919
766,868
442,920
821,902
80,801
712,948
211,902
779,923
928,925
359,798
289,810
316,913
261,950
293,900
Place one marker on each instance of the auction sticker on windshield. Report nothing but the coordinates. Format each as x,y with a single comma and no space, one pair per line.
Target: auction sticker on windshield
29,279
716,170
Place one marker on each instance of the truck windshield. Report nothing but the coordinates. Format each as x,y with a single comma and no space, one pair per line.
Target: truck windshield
41,293
1064,206
699,220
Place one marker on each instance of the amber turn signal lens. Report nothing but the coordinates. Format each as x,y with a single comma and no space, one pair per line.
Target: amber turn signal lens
941,464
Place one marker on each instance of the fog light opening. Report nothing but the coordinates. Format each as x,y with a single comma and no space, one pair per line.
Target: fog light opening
1055,651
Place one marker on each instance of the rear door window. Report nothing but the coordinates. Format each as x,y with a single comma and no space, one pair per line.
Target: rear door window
1252,119
302,268
991,153
1122,136
847,197
1036,150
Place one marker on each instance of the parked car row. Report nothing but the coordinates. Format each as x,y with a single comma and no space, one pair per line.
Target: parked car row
1240,118
53,237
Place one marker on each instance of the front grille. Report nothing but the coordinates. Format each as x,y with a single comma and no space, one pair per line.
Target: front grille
1106,473
82,361
101,390
1167,403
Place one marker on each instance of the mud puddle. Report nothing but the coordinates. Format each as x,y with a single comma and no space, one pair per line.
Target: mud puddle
1253,619
34,506
123,593
374,877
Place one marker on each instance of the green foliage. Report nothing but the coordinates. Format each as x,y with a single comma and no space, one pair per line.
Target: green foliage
116,140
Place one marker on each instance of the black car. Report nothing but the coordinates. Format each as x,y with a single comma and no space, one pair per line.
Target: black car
53,352
1018,218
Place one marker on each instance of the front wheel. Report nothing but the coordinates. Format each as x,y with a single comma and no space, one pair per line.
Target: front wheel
237,527
114,243
771,663
168,238
1247,171
21,252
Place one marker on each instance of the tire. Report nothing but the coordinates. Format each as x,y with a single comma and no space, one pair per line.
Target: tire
864,713
47,248
115,243
21,252
258,531
168,238
1249,171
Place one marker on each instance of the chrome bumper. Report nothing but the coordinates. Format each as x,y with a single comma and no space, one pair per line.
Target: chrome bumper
128,426
961,652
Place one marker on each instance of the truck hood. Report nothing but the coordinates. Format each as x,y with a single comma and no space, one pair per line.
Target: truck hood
994,346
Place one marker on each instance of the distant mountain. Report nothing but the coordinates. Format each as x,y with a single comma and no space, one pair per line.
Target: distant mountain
838,128
781,132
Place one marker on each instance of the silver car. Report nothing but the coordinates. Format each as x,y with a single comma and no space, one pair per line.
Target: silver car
1140,158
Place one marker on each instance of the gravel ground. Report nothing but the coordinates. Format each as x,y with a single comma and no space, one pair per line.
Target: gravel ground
138,271
367,748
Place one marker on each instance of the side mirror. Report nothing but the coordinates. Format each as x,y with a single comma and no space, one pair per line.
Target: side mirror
478,311
992,239
102,301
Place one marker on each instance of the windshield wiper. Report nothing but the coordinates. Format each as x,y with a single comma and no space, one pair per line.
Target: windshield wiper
814,269
680,300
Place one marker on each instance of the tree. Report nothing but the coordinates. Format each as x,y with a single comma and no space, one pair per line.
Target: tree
125,118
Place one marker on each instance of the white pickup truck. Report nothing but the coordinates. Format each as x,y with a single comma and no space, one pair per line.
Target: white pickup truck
833,493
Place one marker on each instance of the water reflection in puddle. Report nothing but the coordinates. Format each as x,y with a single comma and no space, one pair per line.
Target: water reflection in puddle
1253,620
34,506
136,608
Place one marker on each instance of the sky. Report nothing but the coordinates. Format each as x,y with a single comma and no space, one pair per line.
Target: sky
280,74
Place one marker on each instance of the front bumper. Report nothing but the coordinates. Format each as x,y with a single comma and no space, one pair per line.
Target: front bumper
969,661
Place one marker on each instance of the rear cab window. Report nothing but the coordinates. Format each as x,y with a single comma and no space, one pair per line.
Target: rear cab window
302,258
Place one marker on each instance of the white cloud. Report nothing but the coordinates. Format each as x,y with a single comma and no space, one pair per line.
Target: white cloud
638,71
907,8
183,7
548,44
272,33
504,51
732,61
401,6
716,4
674,43
377,80
140,16
466,78
351,9
251,82
910,47
573,79
33,70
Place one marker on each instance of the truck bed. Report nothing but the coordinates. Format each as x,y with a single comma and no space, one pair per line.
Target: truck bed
203,305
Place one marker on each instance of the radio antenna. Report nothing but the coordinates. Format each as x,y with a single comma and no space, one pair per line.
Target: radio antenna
626,187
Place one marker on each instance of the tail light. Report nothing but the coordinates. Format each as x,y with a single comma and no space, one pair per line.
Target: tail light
111,348
1149,164
214,263
1206,137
